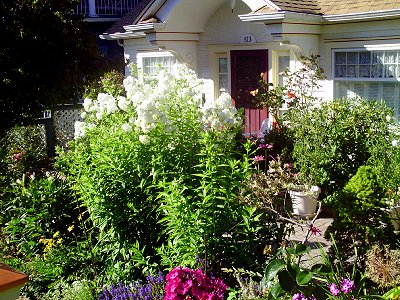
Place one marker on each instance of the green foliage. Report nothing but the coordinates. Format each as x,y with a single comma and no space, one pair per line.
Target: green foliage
204,217
47,58
359,217
36,208
111,82
284,276
23,150
334,139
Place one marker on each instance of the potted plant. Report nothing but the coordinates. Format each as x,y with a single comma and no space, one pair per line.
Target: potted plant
304,198
393,210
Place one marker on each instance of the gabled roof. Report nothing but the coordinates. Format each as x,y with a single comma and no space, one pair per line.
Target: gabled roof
328,9
129,18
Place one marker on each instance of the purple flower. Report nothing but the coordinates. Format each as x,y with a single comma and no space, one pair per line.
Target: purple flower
334,289
298,296
346,285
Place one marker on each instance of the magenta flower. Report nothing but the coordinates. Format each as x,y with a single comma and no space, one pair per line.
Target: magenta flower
258,158
184,283
334,289
315,230
347,285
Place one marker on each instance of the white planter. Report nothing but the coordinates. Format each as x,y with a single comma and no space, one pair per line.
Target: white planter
394,215
304,203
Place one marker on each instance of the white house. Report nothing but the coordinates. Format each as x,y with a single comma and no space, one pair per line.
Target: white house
230,42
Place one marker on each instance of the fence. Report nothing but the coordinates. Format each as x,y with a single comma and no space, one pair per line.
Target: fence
104,8
59,125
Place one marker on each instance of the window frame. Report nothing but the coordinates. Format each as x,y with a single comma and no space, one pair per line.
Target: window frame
379,81
364,79
153,54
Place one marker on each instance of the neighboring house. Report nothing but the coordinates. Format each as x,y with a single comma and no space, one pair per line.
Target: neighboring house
100,15
229,44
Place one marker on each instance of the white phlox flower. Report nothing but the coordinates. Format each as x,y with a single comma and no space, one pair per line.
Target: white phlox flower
144,139
126,127
87,102
80,128
123,103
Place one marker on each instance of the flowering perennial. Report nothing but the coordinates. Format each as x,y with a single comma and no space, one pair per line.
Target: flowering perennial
152,289
166,103
346,287
184,283
300,296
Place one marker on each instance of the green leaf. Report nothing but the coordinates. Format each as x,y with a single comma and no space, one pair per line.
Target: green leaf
304,277
302,249
286,281
321,268
277,291
273,268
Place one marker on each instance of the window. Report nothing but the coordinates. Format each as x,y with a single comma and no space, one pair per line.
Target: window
367,64
223,85
151,62
372,75
283,64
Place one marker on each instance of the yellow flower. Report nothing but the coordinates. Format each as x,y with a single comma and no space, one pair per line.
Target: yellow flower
56,234
70,228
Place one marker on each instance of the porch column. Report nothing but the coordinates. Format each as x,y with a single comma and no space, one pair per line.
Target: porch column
92,8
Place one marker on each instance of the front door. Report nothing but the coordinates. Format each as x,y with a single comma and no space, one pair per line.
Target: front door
246,67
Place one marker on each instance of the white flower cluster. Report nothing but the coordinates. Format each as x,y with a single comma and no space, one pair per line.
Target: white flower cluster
220,114
167,101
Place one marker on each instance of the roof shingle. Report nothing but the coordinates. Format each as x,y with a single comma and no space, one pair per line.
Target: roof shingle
118,27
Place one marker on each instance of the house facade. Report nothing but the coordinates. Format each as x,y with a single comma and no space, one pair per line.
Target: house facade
229,43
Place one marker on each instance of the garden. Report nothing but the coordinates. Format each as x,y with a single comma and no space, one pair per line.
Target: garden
160,196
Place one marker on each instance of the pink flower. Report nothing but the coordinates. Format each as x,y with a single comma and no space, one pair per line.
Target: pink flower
265,146
258,158
184,283
347,285
334,289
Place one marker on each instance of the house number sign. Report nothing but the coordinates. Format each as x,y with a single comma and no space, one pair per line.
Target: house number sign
247,38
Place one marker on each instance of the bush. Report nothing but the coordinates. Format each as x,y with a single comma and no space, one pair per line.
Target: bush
334,139
160,177
359,219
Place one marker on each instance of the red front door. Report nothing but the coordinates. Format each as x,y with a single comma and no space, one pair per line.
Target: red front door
246,67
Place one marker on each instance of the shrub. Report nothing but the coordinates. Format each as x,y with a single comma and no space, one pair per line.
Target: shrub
359,219
332,141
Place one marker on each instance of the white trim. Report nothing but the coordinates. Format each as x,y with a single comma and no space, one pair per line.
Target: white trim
122,35
262,17
363,15
139,27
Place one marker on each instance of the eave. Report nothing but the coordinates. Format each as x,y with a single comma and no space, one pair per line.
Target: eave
383,14
280,17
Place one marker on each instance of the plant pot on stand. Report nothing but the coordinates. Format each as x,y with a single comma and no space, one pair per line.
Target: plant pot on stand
304,200
394,215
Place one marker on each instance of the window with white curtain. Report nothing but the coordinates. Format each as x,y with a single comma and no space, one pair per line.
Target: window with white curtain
151,62
372,75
